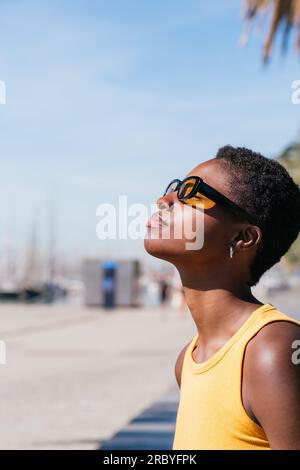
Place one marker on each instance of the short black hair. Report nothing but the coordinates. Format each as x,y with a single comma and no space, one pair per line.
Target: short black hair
264,188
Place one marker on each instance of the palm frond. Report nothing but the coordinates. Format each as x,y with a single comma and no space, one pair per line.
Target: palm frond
281,12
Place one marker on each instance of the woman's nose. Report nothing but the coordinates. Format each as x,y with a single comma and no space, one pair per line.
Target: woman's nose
167,201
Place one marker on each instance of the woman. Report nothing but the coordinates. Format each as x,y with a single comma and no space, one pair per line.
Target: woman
239,377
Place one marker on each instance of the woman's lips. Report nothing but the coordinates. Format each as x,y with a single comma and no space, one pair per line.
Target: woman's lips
156,221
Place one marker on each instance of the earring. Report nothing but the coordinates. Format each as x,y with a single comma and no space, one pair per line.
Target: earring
231,251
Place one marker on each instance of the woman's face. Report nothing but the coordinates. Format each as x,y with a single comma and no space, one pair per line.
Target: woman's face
180,233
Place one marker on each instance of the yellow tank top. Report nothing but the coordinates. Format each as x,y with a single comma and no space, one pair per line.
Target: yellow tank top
211,414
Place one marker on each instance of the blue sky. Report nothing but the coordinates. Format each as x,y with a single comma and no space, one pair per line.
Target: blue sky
118,97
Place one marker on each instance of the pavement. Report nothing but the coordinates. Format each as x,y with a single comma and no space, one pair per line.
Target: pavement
75,376
153,429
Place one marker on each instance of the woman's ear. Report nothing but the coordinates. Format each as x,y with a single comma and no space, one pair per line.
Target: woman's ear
248,237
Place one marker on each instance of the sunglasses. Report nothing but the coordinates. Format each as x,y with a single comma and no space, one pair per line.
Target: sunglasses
193,190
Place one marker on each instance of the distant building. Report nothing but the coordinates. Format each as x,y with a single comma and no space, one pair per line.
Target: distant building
111,283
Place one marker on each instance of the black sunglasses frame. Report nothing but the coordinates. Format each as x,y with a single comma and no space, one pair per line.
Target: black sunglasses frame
201,187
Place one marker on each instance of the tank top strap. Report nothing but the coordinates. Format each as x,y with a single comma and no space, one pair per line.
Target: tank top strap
261,317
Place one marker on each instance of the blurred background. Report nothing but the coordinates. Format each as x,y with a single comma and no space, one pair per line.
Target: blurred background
101,99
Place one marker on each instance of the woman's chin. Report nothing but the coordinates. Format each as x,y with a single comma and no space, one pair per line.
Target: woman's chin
153,247
159,249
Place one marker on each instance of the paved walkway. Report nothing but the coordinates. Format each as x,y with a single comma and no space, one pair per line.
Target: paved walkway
153,429
68,381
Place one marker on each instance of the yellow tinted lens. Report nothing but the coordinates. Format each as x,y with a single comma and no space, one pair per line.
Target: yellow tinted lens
201,201
172,187
186,188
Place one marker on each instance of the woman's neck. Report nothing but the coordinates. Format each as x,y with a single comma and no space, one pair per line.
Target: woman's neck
218,309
